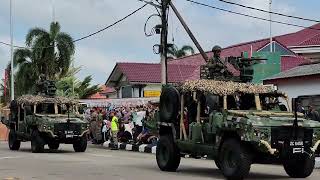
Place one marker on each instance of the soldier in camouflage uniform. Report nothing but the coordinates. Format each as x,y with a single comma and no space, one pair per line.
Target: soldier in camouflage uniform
216,67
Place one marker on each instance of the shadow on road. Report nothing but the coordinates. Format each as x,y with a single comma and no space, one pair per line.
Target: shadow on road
210,172
25,149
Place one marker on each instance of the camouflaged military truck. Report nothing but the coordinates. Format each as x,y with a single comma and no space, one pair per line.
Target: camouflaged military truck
235,124
46,120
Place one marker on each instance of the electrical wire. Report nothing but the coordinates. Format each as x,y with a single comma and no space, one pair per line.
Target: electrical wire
276,13
111,25
92,34
254,17
4,43
152,32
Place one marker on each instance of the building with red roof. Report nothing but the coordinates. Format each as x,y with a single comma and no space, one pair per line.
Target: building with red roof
105,93
143,79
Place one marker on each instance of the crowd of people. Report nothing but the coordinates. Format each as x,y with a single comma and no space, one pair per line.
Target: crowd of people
128,124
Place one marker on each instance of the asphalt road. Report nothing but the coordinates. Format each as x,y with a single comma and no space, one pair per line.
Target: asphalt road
99,163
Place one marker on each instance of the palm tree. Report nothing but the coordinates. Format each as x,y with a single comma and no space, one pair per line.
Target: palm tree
48,53
71,87
175,52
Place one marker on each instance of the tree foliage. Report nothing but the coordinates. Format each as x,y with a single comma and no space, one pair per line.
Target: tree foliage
175,52
48,53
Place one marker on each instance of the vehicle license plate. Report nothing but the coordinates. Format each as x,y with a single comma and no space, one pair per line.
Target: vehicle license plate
69,134
297,147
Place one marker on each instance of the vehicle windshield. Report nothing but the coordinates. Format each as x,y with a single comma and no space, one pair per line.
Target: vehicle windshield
245,101
49,108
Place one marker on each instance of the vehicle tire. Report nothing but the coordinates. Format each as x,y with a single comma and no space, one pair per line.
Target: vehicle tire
167,154
169,104
81,144
14,144
235,160
299,166
53,145
37,143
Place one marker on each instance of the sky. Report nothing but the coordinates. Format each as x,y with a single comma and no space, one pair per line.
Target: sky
126,42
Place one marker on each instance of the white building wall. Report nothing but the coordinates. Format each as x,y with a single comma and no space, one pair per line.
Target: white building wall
294,88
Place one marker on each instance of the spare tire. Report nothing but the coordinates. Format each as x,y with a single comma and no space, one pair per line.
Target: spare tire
169,104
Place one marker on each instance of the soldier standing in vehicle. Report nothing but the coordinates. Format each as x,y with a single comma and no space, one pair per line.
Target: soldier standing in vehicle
114,130
215,65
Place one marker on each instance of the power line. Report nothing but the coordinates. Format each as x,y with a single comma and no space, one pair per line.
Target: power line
254,17
92,34
7,44
109,26
276,13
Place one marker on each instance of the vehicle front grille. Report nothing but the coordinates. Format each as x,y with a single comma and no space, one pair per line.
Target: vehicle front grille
281,135
62,127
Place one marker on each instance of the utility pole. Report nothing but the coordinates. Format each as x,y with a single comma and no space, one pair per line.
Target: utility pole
270,3
53,11
11,51
164,43
185,26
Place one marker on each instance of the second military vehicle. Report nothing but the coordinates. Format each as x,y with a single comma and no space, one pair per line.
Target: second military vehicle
46,119
235,124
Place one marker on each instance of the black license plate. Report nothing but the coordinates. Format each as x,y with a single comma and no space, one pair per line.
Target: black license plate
297,147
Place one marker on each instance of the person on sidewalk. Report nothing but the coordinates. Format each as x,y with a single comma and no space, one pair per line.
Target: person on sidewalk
114,130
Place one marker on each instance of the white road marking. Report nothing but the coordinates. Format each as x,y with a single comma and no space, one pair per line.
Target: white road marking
11,157
100,155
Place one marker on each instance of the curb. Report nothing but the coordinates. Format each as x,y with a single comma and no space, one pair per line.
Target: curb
317,165
149,148
144,148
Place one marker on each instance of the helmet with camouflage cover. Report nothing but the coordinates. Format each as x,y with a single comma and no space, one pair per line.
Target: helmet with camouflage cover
216,48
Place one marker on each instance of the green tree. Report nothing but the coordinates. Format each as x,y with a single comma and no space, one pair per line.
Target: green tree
48,53
69,86
175,52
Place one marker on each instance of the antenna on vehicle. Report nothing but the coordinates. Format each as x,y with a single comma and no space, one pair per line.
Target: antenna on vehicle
295,122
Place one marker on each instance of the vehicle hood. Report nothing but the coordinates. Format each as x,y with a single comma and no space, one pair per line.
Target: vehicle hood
60,119
270,118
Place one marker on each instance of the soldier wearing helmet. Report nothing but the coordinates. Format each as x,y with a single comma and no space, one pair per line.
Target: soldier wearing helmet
217,69
216,53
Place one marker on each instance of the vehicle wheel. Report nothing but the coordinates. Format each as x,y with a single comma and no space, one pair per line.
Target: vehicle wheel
167,155
169,104
14,144
54,145
299,166
235,160
37,143
81,144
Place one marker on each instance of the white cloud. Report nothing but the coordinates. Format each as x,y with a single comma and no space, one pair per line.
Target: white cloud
126,41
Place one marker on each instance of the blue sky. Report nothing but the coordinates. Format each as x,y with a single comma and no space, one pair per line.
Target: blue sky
126,42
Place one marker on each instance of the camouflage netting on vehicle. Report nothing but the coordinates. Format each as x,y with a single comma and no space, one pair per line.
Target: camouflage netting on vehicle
224,87
31,99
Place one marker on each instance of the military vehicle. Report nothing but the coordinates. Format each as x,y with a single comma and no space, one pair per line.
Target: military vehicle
236,124
46,119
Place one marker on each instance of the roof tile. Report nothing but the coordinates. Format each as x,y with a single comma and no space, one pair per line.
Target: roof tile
151,73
